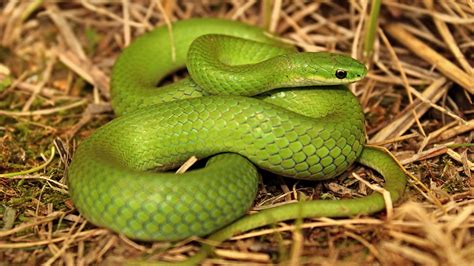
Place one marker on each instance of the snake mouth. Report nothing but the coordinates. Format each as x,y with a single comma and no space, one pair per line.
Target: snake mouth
320,81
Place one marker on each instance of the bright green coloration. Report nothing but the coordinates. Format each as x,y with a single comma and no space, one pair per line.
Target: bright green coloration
304,132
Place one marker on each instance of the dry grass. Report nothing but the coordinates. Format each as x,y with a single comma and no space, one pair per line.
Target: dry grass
55,61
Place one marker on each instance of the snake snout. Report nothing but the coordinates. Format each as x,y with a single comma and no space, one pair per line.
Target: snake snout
348,69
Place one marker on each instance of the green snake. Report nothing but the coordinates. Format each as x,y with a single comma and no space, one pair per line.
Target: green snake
302,123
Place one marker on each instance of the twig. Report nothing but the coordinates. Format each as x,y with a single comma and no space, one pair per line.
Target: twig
45,111
371,27
385,193
275,15
170,29
185,166
34,169
424,51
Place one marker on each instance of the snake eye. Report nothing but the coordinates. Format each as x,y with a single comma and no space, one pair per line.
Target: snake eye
340,74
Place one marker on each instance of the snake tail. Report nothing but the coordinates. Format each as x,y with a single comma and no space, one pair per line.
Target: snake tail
374,157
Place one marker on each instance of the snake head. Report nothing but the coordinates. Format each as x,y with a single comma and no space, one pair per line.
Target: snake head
343,68
323,68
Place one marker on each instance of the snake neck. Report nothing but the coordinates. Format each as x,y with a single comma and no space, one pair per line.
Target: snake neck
225,65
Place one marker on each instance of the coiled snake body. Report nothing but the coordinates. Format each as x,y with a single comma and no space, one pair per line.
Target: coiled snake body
299,131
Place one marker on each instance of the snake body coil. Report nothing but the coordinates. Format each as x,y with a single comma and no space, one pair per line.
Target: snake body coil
301,132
